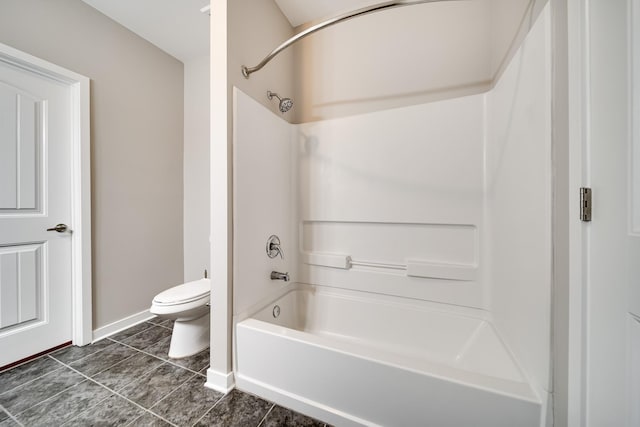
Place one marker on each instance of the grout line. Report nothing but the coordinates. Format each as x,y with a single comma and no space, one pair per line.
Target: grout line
4,371
64,365
144,372
172,391
158,324
88,409
211,409
11,416
115,393
51,397
34,379
154,415
175,364
266,415
162,326
164,360
176,389
38,378
149,326
105,369
83,357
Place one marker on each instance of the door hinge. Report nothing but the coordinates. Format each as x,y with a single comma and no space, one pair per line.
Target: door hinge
585,204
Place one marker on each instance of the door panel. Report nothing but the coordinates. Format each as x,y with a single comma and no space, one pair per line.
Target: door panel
35,194
20,285
20,148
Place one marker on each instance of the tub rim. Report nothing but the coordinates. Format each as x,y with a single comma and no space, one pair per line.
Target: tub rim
502,386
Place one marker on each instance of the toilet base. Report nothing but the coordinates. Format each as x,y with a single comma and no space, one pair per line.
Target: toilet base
189,337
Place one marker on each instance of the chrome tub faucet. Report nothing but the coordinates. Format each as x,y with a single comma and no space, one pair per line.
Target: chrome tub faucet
276,275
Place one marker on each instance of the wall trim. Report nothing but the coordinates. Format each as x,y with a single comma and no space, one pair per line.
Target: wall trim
120,325
219,381
80,183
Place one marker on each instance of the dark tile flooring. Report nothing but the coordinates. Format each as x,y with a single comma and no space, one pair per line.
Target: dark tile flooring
128,380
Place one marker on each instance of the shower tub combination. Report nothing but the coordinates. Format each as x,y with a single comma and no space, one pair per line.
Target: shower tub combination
351,358
403,353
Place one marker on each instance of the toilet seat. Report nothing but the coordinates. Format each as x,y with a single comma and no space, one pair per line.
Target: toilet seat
187,304
184,294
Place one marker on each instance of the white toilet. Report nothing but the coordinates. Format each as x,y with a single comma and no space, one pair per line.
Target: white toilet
187,304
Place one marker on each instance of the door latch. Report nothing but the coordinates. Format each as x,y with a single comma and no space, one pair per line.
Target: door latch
60,228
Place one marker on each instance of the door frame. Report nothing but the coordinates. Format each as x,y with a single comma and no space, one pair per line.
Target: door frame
78,86
571,365
579,29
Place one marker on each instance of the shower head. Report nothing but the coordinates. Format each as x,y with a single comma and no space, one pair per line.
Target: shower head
285,103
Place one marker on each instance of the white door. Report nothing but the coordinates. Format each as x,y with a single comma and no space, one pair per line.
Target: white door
612,380
35,195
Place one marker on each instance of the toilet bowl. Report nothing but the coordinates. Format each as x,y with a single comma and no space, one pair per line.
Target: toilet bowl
187,304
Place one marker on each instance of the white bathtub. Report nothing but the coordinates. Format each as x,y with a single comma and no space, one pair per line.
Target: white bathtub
352,359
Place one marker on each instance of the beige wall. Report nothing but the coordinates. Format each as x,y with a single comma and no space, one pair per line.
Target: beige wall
255,29
196,168
136,142
406,56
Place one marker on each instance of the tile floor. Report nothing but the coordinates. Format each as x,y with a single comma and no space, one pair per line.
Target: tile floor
128,380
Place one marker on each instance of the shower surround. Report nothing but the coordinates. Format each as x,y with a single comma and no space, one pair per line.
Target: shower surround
441,209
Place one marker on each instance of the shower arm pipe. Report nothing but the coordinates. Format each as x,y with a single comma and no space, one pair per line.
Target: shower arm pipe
247,71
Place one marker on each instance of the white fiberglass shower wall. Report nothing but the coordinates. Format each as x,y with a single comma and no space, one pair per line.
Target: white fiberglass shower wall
447,202
400,194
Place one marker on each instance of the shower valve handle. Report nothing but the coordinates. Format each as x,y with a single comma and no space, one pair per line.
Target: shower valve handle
273,247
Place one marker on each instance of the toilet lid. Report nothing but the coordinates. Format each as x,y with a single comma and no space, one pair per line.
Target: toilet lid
187,292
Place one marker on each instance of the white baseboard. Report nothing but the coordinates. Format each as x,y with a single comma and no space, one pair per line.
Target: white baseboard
218,381
120,325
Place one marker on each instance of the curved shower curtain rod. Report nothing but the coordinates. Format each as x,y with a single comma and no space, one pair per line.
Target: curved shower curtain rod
247,71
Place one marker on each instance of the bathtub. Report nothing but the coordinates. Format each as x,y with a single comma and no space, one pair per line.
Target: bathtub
350,358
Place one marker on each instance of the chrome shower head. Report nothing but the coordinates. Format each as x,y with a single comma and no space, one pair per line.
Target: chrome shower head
286,104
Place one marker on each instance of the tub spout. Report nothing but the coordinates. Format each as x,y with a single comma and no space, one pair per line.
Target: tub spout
275,275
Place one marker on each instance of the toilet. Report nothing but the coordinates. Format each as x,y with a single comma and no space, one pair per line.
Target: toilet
187,304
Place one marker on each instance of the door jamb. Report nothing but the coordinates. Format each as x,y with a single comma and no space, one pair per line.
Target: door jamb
579,176
80,184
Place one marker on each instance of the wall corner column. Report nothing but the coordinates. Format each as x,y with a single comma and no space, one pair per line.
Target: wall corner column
220,373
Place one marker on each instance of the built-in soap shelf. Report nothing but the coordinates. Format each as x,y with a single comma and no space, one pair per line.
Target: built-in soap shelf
413,268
